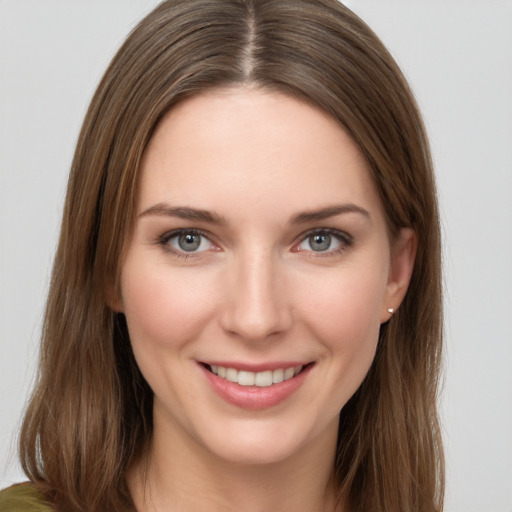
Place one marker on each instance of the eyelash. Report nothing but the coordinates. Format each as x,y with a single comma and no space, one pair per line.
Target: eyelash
167,237
345,242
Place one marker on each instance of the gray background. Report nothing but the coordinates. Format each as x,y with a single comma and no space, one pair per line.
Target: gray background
458,56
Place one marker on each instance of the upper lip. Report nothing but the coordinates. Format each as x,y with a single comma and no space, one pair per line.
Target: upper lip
258,367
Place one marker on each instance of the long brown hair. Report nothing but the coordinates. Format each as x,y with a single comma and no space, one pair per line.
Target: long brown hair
90,415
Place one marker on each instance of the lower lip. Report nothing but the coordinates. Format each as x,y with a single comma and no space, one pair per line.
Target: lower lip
254,397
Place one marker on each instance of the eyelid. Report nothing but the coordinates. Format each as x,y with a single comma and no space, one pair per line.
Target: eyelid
164,239
345,239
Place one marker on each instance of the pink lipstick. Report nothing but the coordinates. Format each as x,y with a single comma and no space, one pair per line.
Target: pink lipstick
255,386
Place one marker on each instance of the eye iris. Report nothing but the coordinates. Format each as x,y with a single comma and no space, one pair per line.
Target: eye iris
320,241
189,242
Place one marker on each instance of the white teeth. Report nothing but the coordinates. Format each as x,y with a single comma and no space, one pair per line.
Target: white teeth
246,378
277,376
289,373
263,379
232,375
260,379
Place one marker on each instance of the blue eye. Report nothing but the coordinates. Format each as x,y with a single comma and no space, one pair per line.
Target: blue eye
189,241
324,241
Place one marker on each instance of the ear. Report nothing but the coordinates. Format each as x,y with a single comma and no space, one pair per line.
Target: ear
403,254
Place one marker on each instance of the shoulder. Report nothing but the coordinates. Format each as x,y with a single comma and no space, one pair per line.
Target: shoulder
23,498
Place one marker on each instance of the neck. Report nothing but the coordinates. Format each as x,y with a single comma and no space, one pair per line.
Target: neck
181,475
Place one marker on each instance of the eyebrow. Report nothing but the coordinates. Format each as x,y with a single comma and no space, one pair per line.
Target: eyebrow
184,212
326,213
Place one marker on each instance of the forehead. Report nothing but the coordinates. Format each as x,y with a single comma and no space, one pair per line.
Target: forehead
261,148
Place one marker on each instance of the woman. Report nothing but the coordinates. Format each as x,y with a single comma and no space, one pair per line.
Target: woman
245,306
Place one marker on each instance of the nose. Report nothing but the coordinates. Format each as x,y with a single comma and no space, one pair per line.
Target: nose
256,307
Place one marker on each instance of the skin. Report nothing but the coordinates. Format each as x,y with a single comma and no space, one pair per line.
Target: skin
257,290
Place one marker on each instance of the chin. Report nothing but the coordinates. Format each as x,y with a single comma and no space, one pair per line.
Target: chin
268,442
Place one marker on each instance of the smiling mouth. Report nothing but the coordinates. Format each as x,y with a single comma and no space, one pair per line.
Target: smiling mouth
262,379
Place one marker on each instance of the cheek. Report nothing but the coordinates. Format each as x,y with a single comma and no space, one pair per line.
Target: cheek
163,308
348,304
344,314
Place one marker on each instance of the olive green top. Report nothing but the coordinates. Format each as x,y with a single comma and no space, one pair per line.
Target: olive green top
23,498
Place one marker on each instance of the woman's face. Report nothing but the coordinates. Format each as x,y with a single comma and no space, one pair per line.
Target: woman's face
258,275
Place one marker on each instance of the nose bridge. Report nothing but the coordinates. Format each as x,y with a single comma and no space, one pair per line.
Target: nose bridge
257,307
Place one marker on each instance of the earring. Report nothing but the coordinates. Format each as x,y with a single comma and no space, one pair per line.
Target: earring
391,311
